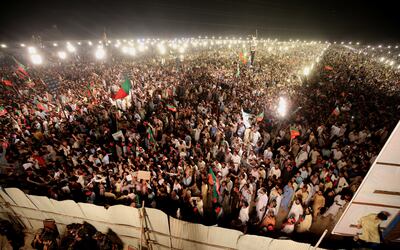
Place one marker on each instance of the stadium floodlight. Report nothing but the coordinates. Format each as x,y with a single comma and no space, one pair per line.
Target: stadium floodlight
125,50
79,43
161,49
62,55
36,59
90,43
306,71
32,50
380,46
55,44
131,51
3,46
358,43
100,53
22,45
282,106
70,48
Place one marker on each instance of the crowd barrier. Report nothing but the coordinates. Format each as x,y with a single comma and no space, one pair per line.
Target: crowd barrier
162,231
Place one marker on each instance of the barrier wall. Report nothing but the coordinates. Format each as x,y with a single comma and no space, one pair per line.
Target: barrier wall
163,231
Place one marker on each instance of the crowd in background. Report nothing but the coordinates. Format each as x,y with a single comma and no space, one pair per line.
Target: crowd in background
183,122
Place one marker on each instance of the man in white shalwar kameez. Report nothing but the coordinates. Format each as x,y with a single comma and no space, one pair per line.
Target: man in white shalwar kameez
262,202
296,210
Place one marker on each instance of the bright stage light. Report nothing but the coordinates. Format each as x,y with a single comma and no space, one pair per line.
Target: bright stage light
36,59
306,71
79,43
161,49
90,43
62,55
100,53
55,44
70,48
131,51
32,50
4,46
22,45
282,107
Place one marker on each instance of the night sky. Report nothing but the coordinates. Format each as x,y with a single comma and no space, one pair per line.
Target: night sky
365,21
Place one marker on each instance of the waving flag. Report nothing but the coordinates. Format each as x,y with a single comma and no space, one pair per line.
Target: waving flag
294,132
260,116
243,57
124,90
171,108
21,69
3,111
7,83
214,182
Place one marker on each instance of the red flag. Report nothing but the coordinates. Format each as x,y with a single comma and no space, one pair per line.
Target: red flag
327,67
7,82
294,132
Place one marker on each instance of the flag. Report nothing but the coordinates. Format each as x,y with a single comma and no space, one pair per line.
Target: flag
150,135
21,69
7,82
336,111
242,57
3,111
124,90
294,132
327,67
260,116
171,108
89,88
42,106
212,180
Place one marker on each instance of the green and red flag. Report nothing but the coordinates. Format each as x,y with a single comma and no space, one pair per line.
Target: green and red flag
243,57
3,111
214,182
336,111
89,88
294,132
329,68
171,108
124,90
21,69
260,116
150,135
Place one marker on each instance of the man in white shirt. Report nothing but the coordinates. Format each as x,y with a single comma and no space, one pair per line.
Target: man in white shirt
262,202
275,171
244,213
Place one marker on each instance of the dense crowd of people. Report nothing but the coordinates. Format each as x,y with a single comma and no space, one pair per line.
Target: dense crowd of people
183,121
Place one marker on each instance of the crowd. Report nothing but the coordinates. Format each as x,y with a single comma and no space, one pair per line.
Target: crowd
183,121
